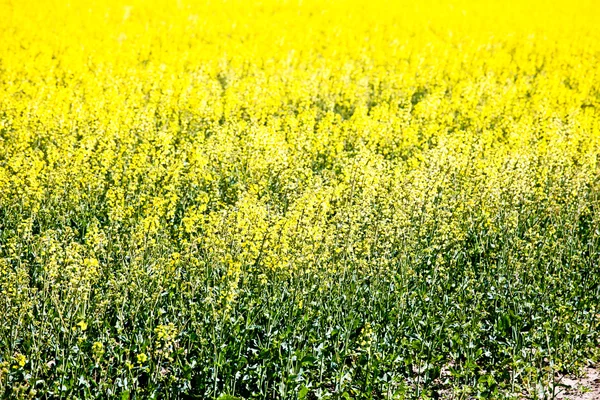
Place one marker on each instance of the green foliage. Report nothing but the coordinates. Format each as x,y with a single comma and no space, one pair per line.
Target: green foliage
274,200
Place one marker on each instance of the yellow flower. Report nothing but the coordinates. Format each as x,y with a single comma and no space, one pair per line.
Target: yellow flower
82,325
20,359
98,349
142,358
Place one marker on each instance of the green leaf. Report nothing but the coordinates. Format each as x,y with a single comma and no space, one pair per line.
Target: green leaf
228,397
302,393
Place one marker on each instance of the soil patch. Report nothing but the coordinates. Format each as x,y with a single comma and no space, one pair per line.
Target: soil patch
586,387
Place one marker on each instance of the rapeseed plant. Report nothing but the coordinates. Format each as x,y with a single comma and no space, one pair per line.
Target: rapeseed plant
298,199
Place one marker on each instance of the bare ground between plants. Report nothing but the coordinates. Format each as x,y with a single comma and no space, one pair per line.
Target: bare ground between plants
586,387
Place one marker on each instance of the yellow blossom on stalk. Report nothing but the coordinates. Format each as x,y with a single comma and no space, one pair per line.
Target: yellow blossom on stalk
182,174
82,325
20,360
98,349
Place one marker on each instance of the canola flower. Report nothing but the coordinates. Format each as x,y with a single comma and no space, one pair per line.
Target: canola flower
298,199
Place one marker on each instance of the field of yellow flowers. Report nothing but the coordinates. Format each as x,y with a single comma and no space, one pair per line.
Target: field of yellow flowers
298,199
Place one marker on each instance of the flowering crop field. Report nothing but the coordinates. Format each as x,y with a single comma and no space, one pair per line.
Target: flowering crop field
298,199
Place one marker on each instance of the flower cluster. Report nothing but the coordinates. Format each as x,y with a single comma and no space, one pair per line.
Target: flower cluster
297,199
